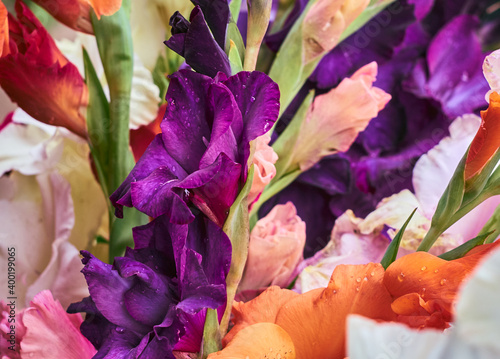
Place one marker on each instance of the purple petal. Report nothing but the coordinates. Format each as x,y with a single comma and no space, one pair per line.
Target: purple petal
105,283
156,195
222,139
185,123
201,50
146,301
154,157
217,16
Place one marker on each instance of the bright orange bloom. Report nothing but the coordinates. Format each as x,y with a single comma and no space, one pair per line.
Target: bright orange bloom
487,140
315,321
76,13
144,135
36,75
425,286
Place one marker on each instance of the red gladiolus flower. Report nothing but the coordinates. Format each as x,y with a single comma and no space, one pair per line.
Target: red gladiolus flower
36,75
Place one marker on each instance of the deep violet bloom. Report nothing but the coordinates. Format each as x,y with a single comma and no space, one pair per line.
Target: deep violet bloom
201,155
201,40
153,300
409,38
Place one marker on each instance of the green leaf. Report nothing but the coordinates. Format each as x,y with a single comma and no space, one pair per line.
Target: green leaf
392,251
211,334
463,249
160,79
237,229
98,124
234,35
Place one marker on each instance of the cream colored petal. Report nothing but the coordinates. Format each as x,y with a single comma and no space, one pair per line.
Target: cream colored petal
491,71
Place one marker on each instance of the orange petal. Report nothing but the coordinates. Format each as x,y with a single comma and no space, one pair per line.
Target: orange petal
4,30
144,135
75,14
264,308
105,7
432,280
487,140
261,340
316,320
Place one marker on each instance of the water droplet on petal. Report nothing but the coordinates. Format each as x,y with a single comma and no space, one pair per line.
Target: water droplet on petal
358,280
119,330
423,268
252,99
443,281
437,270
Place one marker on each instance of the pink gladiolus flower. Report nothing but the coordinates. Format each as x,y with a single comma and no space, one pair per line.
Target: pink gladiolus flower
264,170
44,330
275,249
335,118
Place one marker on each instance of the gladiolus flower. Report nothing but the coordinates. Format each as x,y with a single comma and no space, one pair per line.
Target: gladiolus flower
325,22
276,245
76,13
264,170
4,30
335,118
487,140
61,332
425,286
317,316
38,77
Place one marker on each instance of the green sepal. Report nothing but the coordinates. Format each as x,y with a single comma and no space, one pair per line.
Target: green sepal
465,248
237,229
234,8
212,342
234,59
233,34
284,146
392,251
160,78
493,225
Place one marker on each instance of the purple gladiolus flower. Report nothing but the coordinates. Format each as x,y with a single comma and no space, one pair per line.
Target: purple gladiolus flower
201,40
201,156
153,300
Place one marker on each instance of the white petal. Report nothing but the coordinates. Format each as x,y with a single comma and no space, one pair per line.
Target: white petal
491,71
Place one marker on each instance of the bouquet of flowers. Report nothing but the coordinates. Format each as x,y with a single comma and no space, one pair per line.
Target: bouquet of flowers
270,179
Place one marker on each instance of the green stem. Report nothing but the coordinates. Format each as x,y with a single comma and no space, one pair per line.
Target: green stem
211,334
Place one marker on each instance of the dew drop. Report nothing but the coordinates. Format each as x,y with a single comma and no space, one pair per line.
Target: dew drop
358,280
443,281
119,330
252,99
334,291
372,274
357,289
437,270
423,268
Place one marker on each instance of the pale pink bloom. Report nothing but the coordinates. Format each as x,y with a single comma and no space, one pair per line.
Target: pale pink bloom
45,330
324,23
334,120
264,170
276,245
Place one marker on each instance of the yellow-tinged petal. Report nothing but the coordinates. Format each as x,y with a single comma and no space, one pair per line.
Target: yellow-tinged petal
258,341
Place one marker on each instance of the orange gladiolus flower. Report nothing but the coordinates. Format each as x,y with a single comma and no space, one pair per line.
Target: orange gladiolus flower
487,140
36,75
315,321
76,13
425,286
